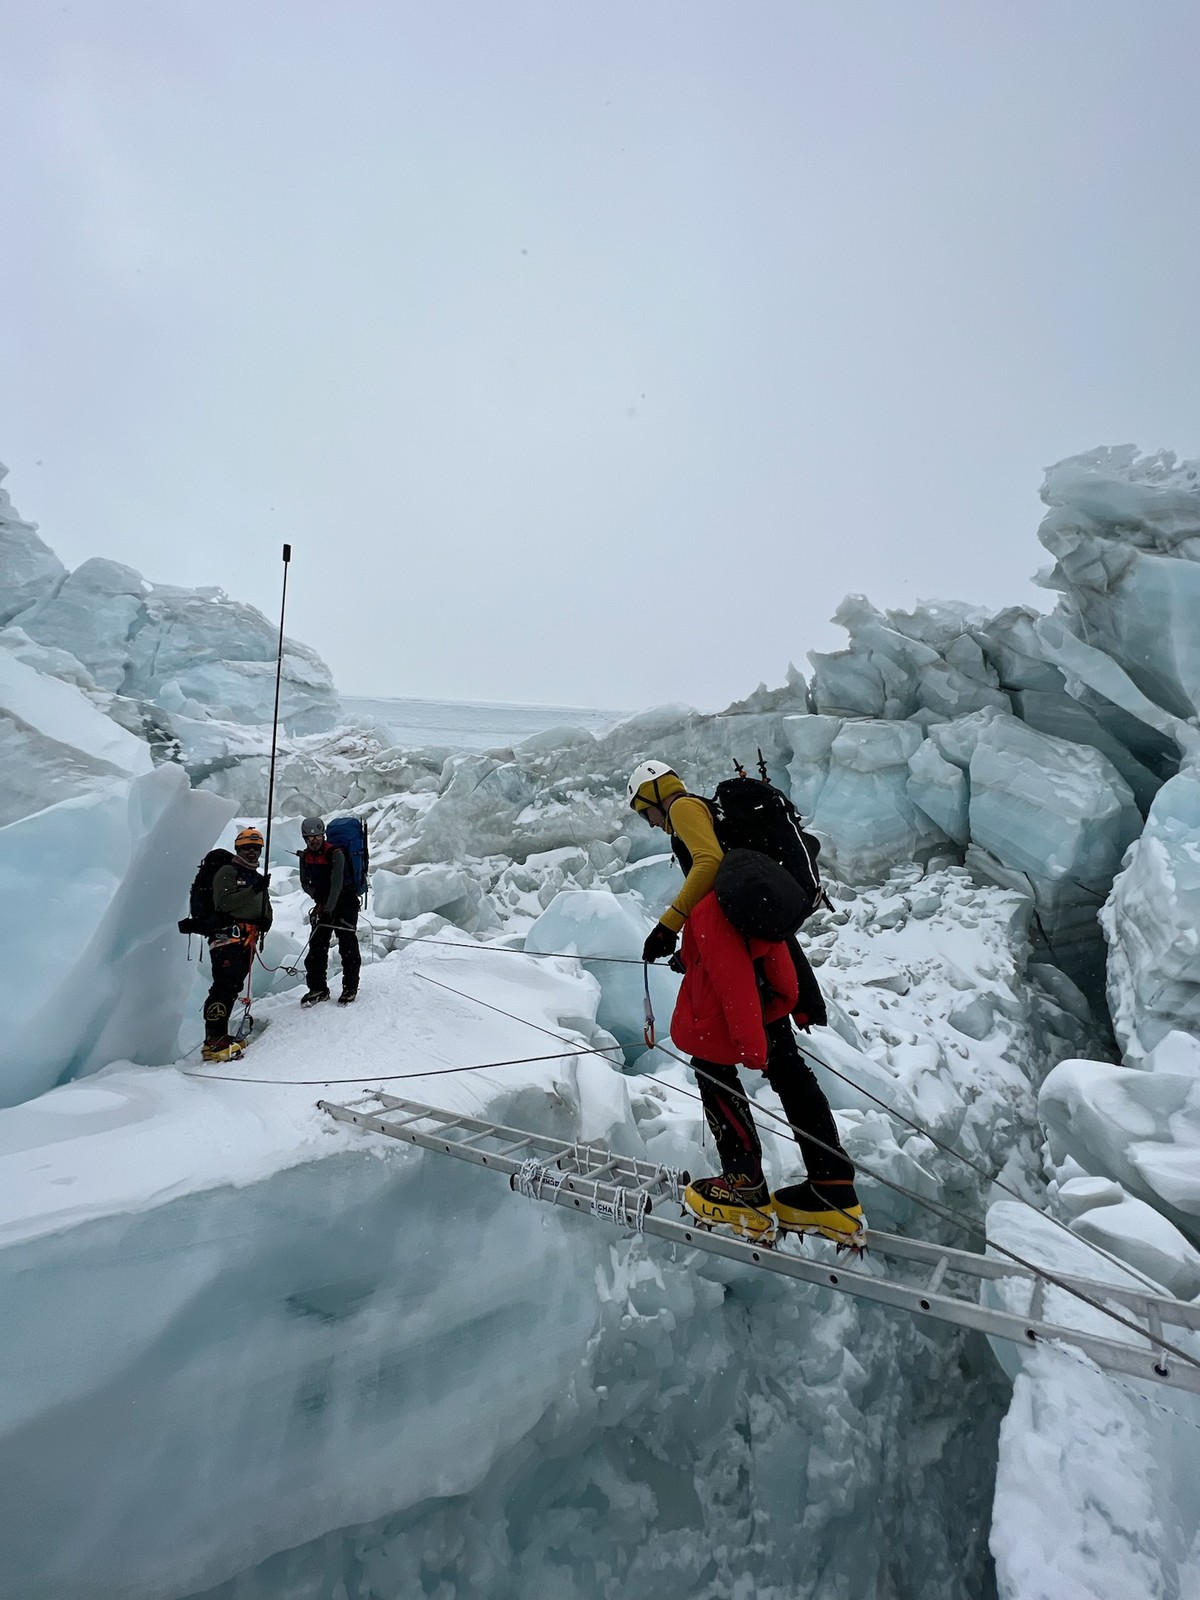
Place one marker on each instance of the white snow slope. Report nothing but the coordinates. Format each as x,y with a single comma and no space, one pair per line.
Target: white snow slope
253,1355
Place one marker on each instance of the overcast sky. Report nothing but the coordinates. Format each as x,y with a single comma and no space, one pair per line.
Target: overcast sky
587,351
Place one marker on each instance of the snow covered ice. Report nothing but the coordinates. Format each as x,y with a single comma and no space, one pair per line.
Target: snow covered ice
255,1355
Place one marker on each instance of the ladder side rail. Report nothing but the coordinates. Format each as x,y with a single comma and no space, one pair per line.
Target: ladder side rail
1110,1354
644,1171
968,1261
1131,1359
1182,1313
558,1148
584,1191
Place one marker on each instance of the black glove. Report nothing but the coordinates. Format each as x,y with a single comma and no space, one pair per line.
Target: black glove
660,942
676,963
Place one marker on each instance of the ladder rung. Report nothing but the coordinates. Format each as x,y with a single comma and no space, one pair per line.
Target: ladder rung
936,1276
593,1172
464,1144
519,1145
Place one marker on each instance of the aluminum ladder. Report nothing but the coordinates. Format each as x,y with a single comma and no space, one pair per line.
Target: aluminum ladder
628,1192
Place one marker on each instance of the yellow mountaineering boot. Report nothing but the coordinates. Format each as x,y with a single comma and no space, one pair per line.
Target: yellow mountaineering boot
224,1049
832,1210
744,1207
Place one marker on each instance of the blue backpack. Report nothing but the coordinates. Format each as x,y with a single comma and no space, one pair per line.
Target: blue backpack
350,834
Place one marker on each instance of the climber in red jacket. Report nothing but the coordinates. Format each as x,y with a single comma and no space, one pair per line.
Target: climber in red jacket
732,987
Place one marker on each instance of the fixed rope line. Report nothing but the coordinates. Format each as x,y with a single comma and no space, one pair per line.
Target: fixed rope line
946,1213
283,967
509,950
389,1077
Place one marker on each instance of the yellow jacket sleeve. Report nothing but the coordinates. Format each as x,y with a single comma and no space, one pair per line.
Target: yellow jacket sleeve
691,820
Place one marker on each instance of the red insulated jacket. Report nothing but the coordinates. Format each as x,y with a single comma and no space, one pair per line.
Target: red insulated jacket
719,1014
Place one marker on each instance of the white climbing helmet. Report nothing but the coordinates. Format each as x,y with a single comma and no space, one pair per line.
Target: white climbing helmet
648,772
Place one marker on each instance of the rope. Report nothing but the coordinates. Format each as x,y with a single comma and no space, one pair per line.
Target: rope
508,950
617,1209
390,1077
292,970
533,1176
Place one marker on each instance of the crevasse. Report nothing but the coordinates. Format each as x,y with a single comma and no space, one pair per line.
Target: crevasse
251,1354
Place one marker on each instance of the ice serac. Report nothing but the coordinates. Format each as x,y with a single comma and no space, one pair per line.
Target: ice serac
55,742
90,891
902,664
863,811
29,569
194,656
1094,1492
193,652
1054,817
1125,533
1152,922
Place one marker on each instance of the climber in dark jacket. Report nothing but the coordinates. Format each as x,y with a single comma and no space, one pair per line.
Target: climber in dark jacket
719,965
327,878
242,905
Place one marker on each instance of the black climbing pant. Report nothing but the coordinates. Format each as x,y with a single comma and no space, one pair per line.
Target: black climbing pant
230,963
727,1112
344,923
804,1105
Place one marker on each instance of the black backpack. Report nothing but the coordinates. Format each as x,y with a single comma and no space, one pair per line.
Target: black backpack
752,814
202,915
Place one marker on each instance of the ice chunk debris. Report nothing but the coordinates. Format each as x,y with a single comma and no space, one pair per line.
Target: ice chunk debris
1140,1127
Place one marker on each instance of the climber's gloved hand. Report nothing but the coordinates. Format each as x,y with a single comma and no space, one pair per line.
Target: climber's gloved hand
660,942
676,964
